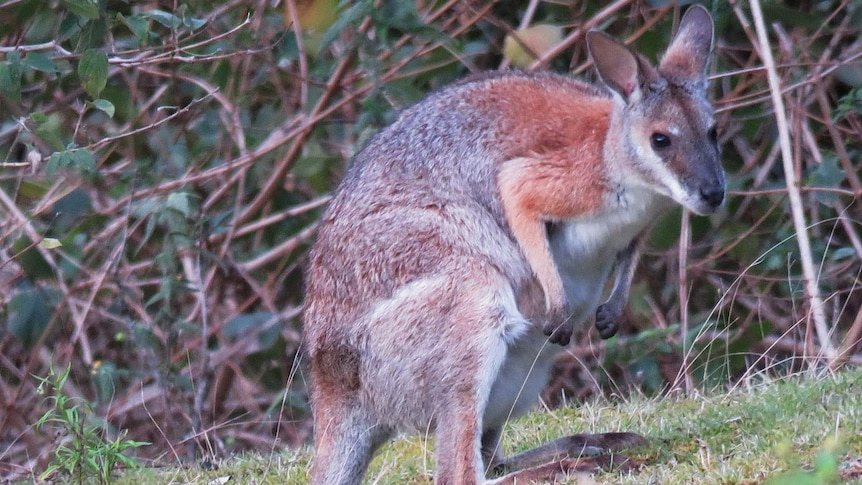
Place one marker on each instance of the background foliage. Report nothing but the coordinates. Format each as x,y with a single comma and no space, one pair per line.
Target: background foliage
163,165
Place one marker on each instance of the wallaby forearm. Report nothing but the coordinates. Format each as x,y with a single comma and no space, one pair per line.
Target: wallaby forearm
609,314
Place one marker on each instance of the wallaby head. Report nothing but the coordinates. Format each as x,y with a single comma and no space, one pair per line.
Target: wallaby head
663,134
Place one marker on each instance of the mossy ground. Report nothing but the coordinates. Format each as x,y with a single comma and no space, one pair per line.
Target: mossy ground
755,432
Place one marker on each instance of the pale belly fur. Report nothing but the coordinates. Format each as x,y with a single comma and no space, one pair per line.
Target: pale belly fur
585,251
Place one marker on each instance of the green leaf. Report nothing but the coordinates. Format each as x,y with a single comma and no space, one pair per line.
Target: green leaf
827,175
188,20
48,129
842,253
83,160
246,323
138,25
39,118
848,104
89,9
167,19
93,71
104,377
40,62
55,162
50,243
31,261
146,338
49,471
850,73
104,105
194,23
94,35
181,202
28,315
351,16
789,16
10,77
80,158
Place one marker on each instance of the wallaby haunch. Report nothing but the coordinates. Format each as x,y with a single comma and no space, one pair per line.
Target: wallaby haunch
468,239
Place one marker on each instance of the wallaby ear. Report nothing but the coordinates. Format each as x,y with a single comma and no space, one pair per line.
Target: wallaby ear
621,69
688,55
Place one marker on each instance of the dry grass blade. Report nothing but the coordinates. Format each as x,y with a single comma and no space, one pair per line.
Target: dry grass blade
824,331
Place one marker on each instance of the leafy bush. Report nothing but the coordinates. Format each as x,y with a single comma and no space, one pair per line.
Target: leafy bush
163,165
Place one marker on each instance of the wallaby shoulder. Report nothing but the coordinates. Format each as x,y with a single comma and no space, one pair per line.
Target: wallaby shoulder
500,115
452,144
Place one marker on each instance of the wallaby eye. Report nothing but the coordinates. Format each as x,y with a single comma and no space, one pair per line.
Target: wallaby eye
659,141
713,134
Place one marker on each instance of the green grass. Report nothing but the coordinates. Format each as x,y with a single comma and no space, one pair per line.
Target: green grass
778,429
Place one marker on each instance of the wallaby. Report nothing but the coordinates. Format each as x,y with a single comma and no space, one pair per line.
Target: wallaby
487,218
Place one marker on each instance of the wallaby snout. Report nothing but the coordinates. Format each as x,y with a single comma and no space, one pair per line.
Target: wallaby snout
701,177
713,196
711,189
701,174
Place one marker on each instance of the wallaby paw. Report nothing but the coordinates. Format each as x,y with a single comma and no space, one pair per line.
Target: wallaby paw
607,321
561,336
558,328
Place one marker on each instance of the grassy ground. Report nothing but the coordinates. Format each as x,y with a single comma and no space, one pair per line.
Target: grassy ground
792,431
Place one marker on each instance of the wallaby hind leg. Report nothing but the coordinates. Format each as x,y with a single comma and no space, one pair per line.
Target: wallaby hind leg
460,446
344,445
580,452
458,462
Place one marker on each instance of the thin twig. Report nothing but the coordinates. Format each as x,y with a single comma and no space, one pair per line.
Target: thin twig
793,183
683,289
280,251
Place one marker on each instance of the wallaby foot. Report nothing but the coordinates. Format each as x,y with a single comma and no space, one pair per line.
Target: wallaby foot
562,469
575,453
608,320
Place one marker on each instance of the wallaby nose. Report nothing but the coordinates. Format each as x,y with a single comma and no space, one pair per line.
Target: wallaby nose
713,196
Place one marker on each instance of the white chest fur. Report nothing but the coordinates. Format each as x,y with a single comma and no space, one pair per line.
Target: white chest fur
584,250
